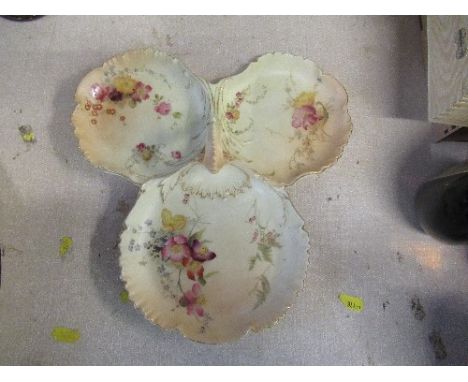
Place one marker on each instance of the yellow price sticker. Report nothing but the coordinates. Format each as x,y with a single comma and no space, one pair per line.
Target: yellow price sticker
27,134
67,335
66,243
351,302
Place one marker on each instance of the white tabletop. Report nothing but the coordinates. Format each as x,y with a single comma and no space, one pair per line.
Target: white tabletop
359,213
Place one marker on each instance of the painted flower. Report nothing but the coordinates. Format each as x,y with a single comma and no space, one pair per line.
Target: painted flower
254,236
172,222
124,84
305,117
115,95
176,154
163,108
193,301
141,92
146,151
195,269
305,111
233,114
100,92
177,249
201,253
270,239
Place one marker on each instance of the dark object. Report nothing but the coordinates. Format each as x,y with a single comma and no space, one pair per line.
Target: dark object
22,18
417,309
437,345
442,206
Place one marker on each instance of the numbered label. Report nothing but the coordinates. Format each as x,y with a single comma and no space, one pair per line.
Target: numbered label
351,302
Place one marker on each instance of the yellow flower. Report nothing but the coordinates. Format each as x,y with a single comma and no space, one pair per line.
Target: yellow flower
147,155
124,84
303,99
201,300
171,222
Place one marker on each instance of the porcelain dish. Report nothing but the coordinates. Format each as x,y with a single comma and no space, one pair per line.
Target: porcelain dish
213,255
213,247
145,115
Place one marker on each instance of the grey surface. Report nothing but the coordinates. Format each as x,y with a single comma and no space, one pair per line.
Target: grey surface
359,213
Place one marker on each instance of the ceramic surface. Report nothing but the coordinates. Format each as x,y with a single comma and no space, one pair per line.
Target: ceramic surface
144,115
212,250
141,115
213,255
283,118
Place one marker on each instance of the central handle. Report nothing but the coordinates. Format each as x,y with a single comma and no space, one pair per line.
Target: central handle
214,157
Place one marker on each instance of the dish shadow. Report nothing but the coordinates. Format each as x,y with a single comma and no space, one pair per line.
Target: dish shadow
104,252
60,129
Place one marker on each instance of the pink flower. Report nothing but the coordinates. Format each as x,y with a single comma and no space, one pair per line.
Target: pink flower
305,117
115,95
140,146
176,154
163,108
193,300
100,92
201,253
141,92
254,236
177,249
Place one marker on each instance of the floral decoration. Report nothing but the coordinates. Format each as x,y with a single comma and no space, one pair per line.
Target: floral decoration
182,254
308,119
119,88
122,87
193,300
177,249
266,240
176,155
146,152
163,107
307,112
232,109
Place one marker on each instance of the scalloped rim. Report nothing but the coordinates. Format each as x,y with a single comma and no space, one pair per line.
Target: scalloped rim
347,117
214,159
296,289
279,186
123,55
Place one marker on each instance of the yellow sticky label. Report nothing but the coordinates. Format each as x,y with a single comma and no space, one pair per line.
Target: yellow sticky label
66,243
123,296
29,137
27,134
67,335
351,302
